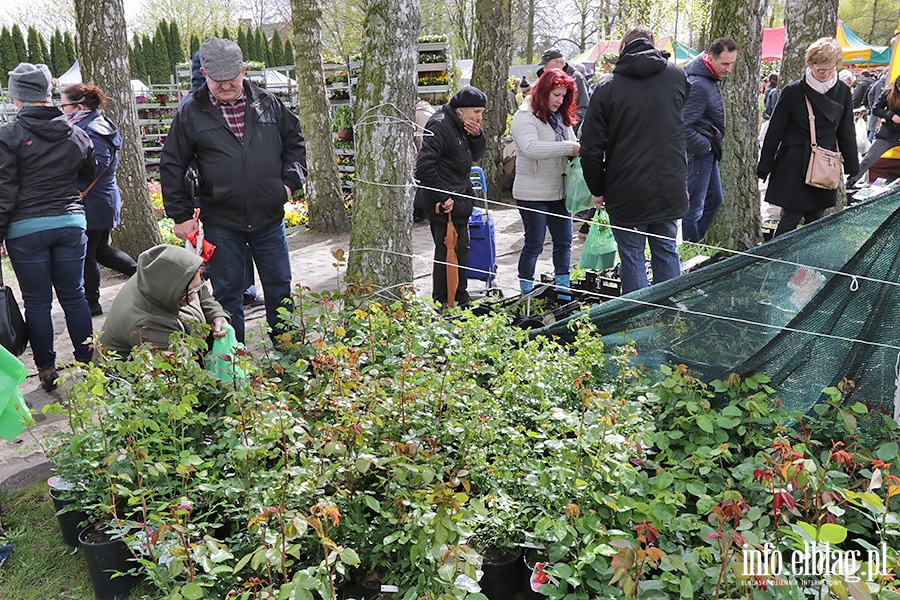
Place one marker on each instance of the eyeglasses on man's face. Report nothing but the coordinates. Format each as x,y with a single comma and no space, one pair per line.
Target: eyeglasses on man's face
196,290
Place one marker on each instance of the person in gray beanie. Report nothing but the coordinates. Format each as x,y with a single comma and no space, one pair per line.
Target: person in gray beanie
42,157
30,83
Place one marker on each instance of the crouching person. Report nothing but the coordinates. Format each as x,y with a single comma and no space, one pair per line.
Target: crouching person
167,294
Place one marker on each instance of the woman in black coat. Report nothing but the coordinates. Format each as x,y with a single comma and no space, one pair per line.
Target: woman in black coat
786,151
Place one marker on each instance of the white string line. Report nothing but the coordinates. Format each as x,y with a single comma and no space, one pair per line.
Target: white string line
382,119
676,309
854,278
854,284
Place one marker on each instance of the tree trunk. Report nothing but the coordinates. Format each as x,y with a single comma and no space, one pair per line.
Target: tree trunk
871,36
529,37
493,39
738,224
805,21
103,54
323,188
381,238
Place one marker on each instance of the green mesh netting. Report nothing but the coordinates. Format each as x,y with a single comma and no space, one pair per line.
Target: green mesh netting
679,321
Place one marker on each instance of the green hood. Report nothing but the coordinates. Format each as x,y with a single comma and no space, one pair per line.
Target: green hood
163,274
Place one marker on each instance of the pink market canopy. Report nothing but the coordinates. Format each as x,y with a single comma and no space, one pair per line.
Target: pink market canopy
678,51
856,51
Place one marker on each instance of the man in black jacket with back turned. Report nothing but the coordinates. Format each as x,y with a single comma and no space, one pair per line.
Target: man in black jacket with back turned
252,157
452,142
861,93
633,155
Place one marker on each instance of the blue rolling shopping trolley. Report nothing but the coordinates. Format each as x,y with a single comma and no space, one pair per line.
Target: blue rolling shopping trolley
482,238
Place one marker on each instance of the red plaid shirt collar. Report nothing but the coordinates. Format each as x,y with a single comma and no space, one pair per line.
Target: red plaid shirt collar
233,113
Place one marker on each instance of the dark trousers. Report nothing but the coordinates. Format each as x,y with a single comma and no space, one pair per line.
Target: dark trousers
99,252
879,147
249,278
791,218
439,283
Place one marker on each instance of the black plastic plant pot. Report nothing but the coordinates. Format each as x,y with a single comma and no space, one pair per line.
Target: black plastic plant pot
503,580
371,588
71,521
105,559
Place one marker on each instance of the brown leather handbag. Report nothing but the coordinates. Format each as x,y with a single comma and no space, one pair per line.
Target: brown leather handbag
824,169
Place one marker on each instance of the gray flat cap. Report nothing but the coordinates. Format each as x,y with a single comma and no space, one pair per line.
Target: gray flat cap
221,60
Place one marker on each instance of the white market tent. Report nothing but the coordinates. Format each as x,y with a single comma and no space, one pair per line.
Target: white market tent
73,75
276,81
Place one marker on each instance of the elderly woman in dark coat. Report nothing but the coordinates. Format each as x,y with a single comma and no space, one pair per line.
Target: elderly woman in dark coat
454,140
786,150
82,103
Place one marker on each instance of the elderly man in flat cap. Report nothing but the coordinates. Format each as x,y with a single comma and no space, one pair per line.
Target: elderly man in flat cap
251,157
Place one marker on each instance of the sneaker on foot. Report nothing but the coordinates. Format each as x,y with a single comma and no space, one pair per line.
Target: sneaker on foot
96,309
254,303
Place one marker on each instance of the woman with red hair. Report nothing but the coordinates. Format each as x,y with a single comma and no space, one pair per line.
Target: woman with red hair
544,138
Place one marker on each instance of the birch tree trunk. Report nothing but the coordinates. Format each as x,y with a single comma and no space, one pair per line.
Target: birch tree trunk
323,188
529,35
381,237
738,224
490,72
805,21
103,54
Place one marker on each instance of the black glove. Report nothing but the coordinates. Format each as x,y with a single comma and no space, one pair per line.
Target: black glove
762,175
716,143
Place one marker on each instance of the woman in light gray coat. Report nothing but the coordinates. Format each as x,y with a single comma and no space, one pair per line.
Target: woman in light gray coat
544,138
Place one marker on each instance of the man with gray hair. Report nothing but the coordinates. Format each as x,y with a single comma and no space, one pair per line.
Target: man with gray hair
251,157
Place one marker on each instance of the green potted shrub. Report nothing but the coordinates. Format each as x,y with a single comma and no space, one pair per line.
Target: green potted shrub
343,122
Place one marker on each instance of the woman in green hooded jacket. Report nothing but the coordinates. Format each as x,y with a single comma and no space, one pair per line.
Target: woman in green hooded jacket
167,294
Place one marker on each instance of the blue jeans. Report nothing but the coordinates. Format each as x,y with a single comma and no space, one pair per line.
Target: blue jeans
704,189
559,222
44,261
226,269
663,254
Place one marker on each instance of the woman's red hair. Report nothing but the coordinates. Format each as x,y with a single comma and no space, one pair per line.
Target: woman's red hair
540,96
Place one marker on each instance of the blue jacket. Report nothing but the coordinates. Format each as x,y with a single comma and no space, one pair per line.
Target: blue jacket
103,204
704,111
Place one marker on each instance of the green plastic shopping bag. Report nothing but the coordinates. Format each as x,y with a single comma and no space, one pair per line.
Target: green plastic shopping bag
599,252
14,414
578,196
222,358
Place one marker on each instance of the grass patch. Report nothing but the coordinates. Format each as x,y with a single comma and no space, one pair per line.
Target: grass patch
41,566
688,250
